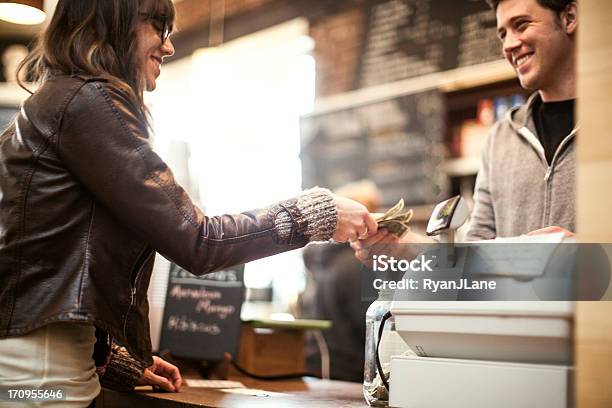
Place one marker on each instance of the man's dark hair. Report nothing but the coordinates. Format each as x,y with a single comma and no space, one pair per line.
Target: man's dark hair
558,6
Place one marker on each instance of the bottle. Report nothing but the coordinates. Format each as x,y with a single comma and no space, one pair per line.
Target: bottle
391,344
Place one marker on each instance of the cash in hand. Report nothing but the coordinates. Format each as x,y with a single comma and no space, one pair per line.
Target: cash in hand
396,220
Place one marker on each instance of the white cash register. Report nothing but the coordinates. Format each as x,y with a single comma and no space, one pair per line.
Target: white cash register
476,354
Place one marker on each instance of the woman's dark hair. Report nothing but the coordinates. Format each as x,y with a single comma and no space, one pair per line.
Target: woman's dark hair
558,6
97,38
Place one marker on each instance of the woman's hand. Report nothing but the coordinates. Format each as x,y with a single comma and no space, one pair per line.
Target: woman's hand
162,375
354,220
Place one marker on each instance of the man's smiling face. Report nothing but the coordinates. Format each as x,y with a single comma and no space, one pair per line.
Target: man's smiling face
535,41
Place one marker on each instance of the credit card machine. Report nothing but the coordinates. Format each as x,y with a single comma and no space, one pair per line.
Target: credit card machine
445,219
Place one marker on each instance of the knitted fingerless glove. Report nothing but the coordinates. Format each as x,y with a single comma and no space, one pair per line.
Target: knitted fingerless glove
312,214
122,371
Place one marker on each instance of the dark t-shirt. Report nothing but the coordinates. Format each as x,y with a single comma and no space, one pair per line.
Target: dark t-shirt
553,122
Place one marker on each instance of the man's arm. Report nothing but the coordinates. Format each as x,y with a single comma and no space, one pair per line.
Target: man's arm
388,244
482,221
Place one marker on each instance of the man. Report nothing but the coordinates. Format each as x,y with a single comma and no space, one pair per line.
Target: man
526,181
526,178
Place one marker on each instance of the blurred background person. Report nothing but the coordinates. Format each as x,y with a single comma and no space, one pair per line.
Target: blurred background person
335,295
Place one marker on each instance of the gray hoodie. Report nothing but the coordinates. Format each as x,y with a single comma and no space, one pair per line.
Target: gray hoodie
516,190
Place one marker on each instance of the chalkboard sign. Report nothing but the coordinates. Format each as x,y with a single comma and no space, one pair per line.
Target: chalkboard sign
407,38
397,143
202,313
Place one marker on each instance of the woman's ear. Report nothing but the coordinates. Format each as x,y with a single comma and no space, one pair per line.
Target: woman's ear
569,18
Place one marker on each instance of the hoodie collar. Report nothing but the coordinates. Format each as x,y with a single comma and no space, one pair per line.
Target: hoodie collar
522,116
521,120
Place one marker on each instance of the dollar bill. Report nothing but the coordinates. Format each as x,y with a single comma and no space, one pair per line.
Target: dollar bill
396,219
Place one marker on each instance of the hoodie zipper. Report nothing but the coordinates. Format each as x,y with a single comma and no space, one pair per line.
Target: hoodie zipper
140,263
549,167
548,177
532,139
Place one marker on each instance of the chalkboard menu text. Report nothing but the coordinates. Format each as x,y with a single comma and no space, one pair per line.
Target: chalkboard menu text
408,38
397,143
202,313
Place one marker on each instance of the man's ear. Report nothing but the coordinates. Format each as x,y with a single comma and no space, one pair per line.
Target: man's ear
569,17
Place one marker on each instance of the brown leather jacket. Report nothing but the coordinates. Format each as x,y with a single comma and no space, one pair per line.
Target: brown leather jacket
85,202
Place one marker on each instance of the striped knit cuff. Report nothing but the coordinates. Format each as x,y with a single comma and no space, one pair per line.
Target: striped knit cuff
122,372
313,215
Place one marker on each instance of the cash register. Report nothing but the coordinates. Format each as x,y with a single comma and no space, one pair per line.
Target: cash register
480,353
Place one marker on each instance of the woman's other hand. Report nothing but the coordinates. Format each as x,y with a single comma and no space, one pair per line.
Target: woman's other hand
162,375
354,220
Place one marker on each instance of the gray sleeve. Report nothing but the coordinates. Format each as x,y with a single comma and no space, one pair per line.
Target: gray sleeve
482,222
317,212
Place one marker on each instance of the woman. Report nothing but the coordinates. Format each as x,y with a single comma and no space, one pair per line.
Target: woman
85,203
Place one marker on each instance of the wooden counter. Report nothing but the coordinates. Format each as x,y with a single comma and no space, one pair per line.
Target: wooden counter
307,393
